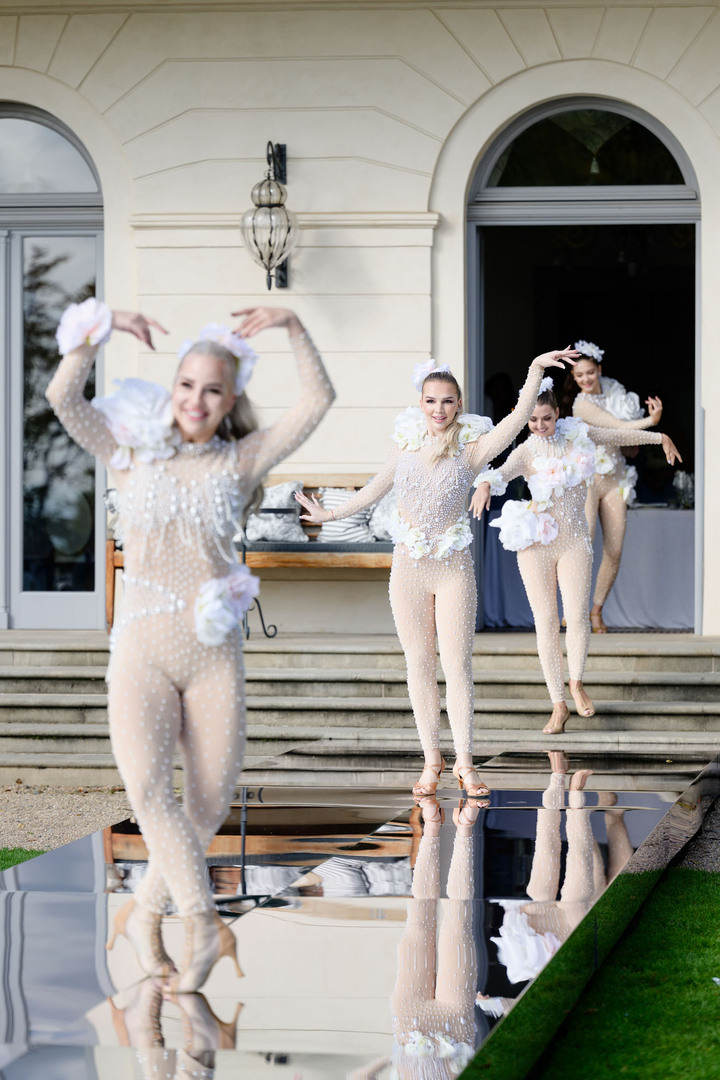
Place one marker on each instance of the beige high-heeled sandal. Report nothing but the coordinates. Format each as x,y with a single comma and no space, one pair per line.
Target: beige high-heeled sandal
142,929
207,940
474,791
429,789
583,708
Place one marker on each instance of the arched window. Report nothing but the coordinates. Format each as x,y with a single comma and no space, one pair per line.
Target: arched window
51,530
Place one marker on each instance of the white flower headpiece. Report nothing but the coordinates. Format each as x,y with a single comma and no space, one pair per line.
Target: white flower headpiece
421,372
547,384
589,348
245,356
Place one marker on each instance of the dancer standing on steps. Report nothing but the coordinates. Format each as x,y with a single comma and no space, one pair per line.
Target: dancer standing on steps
550,535
439,451
186,466
605,403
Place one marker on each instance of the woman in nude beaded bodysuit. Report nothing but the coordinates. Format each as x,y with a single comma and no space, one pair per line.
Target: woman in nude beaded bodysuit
554,549
170,685
604,403
439,453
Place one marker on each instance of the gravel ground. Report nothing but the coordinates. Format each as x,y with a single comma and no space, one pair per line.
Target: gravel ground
42,817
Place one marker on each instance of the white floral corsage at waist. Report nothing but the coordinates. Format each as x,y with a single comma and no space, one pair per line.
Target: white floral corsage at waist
604,462
520,526
221,603
589,348
411,429
455,538
438,1045
493,477
245,356
628,480
139,415
421,372
89,323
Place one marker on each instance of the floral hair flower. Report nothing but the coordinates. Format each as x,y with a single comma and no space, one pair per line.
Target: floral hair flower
245,356
421,372
589,348
548,383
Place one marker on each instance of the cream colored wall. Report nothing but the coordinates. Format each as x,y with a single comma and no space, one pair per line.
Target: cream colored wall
385,112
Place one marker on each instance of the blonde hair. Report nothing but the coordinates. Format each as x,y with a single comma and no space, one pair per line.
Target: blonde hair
445,444
241,419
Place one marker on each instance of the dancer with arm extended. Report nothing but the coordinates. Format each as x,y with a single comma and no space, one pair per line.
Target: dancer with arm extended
604,403
187,464
439,451
551,536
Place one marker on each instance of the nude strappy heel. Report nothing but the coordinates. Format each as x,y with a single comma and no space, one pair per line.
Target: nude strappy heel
207,940
475,791
142,929
430,789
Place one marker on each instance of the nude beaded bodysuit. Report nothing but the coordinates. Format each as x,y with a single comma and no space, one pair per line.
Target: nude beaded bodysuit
429,594
566,561
178,518
604,496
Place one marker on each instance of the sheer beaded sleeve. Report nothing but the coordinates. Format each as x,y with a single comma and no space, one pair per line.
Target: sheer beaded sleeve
516,464
84,424
489,446
596,416
623,437
259,451
373,490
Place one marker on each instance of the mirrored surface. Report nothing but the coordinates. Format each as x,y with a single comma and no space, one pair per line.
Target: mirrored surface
378,936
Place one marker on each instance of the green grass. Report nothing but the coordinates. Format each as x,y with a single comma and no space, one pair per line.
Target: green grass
653,1009
517,1043
14,855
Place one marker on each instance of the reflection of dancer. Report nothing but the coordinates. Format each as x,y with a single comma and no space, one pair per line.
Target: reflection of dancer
532,933
187,466
550,536
438,454
605,403
433,1003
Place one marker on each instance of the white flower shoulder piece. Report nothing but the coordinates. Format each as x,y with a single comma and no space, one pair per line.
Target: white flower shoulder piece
573,429
493,477
89,323
472,427
410,429
139,415
621,403
221,603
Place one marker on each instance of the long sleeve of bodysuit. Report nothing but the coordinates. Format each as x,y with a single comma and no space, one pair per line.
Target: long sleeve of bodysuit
65,392
518,463
259,451
623,437
489,446
373,490
596,416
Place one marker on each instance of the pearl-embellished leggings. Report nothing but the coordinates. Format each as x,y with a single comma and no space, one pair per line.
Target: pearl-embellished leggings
604,498
167,691
430,596
568,564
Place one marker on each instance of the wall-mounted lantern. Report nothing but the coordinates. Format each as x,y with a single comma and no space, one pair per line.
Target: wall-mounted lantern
270,230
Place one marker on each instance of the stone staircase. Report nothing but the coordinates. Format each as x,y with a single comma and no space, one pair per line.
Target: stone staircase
339,704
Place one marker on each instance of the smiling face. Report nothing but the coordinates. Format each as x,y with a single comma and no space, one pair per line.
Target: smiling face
202,396
440,403
542,421
586,374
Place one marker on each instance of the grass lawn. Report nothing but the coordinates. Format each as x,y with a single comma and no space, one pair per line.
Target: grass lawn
652,1010
14,855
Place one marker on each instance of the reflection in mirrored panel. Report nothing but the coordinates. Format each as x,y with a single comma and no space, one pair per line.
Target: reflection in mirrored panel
377,937
58,476
36,160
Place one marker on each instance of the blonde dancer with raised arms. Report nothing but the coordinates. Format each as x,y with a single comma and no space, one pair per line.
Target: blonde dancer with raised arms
551,537
186,466
438,453
605,403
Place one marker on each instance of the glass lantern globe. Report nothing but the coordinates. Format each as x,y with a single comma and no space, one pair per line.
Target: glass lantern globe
269,229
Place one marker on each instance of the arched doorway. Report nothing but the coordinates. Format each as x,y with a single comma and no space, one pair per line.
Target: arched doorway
51,523
582,224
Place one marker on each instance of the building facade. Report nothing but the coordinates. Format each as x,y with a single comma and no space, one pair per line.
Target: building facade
131,136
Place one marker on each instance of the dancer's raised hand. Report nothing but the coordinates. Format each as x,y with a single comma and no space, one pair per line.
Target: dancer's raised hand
557,358
132,322
316,514
480,500
655,408
255,319
670,450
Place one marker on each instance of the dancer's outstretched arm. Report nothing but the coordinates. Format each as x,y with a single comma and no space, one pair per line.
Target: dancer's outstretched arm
613,437
371,493
260,450
592,414
517,464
